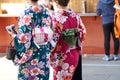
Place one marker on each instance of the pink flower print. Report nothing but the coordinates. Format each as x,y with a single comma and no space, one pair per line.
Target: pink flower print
23,59
35,9
34,62
29,52
35,71
25,71
27,19
23,38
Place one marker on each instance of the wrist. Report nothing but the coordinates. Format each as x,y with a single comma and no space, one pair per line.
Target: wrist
13,35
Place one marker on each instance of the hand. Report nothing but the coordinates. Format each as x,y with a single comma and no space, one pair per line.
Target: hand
11,30
83,37
12,34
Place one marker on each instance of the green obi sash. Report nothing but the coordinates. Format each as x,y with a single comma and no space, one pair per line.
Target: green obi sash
70,36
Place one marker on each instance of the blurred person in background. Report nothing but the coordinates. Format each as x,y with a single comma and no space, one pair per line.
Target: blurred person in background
106,10
50,5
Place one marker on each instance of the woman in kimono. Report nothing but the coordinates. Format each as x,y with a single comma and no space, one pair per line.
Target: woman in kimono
64,57
32,58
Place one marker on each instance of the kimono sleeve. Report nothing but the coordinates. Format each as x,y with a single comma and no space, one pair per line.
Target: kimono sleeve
23,40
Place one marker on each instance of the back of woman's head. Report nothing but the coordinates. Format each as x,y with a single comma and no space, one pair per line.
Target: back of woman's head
62,2
34,0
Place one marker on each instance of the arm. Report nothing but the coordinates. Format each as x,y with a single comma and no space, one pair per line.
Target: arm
99,10
23,40
81,33
82,30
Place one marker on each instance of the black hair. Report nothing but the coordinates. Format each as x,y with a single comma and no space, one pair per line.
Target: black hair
63,2
34,0
52,8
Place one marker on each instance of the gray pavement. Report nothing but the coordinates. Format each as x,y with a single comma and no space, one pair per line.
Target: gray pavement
93,68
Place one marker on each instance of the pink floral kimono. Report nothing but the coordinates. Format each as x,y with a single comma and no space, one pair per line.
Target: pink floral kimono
64,58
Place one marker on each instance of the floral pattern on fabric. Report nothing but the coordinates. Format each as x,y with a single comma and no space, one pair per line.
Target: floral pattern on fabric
33,61
64,58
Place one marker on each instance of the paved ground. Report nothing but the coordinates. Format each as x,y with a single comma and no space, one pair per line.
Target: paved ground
94,68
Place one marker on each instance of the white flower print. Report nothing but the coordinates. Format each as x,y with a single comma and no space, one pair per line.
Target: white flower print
61,18
73,14
48,56
27,45
56,55
65,66
61,74
20,79
47,21
55,63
